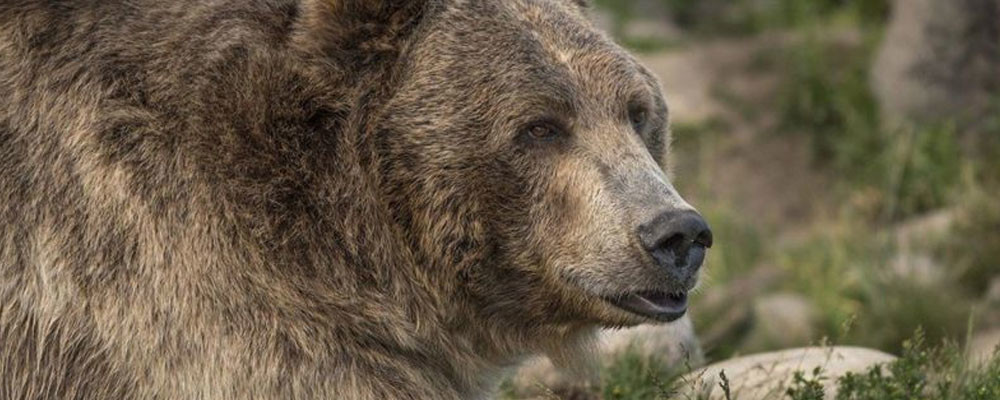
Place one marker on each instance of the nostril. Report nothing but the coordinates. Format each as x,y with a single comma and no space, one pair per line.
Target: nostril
704,238
674,242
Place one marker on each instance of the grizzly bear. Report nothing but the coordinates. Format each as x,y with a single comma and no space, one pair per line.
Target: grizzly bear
336,199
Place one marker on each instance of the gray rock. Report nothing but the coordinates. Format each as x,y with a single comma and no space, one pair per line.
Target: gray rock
982,346
939,59
993,292
768,375
781,320
920,232
919,268
915,240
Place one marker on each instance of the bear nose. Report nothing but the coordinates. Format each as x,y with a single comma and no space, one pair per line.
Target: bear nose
670,235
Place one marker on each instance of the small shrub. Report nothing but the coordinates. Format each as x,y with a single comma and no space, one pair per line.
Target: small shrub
807,388
973,247
903,379
928,170
634,376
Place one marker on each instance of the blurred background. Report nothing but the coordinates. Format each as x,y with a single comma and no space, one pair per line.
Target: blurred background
847,156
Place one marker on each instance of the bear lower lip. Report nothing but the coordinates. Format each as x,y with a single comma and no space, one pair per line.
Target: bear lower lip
658,305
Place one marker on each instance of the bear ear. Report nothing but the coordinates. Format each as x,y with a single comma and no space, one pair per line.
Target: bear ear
345,26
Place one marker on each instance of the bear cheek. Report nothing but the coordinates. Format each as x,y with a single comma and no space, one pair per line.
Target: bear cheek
580,226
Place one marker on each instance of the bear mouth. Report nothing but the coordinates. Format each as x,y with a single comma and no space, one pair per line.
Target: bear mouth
654,304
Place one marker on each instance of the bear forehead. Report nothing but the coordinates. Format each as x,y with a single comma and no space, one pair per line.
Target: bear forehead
538,50
516,30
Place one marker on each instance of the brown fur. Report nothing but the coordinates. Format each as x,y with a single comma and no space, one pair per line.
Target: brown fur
312,199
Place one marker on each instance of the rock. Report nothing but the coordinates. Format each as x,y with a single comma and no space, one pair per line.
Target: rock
919,268
983,345
993,291
674,344
938,59
767,375
781,320
917,233
914,239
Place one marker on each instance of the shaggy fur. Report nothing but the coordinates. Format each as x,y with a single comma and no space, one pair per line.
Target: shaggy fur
342,199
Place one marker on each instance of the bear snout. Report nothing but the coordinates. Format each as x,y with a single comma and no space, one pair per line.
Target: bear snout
676,241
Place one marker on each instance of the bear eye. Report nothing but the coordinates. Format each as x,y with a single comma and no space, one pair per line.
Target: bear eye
542,131
638,116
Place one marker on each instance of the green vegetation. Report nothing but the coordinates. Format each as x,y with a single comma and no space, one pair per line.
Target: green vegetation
862,303
827,96
972,248
921,372
637,377
807,387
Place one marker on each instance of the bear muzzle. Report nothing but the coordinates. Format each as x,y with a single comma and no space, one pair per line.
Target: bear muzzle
676,242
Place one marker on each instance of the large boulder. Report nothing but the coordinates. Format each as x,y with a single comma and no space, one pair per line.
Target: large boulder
939,59
768,375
